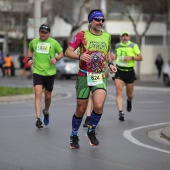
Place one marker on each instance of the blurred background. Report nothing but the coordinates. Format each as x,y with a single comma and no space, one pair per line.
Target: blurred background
148,23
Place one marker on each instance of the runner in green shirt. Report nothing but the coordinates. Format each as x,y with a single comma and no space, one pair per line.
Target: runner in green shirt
42,54
127,53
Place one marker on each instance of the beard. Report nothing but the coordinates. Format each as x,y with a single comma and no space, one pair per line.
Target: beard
124,41
98,27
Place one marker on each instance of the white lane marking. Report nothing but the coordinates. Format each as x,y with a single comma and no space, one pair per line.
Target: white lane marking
150,102
128,135
68,95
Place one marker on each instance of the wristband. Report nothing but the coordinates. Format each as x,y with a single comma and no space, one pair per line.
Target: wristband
29,58
132,58
57,59
110,63
78,57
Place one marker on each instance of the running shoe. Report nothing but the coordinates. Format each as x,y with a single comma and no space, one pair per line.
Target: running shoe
121,116
74,142
86,122
129,106
92,138
39,123
46,117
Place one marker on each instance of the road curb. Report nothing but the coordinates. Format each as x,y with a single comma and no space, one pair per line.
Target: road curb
17,98
166,132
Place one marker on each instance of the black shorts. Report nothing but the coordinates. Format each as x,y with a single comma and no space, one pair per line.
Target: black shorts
21,66
46,81
126,76
27,69
6,68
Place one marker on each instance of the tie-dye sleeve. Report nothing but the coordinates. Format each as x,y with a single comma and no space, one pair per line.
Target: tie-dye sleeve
76,40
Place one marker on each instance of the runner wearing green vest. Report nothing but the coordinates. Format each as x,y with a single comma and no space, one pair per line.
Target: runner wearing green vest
94,52
127,53
42,54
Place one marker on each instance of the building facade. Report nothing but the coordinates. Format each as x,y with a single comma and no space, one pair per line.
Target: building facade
22,15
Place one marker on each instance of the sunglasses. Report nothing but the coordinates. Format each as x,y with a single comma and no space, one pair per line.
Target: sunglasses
99,19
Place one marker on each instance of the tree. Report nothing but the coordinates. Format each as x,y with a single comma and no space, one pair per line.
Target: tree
150,8
134,10
14,16
70,11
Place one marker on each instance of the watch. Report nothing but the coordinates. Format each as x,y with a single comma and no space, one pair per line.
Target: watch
78,57
57,59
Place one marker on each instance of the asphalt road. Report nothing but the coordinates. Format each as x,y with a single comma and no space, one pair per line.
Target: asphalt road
129,145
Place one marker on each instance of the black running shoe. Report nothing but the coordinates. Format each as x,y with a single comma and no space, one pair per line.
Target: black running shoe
46,117
39,123
86,122
92,138
74,142
129,106
121,116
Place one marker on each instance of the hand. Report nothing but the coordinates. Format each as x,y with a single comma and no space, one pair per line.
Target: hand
53,61
113,69
30,62
85,57
127,58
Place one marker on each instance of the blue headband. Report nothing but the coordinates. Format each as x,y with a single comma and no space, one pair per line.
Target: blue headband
94,15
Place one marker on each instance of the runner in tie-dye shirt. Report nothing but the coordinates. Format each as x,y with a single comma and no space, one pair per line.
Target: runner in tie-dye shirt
94,53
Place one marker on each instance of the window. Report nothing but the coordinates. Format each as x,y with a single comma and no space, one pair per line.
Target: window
154,40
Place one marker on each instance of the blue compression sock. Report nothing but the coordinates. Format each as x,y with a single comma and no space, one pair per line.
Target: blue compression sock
76,122
94,120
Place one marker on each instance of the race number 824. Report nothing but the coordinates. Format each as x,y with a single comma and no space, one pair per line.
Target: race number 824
95,77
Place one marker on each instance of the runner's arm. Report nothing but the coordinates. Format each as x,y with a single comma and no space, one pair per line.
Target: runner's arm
59,57
30,57
70,53
111,66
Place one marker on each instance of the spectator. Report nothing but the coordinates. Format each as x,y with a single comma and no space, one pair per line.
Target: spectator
27,67
12,69
21,64
1,63
8,64
159,63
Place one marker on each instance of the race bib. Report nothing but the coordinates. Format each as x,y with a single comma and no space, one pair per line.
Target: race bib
43,48
122,62
94,79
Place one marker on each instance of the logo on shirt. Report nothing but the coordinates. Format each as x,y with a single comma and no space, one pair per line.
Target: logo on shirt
98,45
96,62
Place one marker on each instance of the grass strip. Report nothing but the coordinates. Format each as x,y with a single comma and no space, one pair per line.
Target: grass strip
11,91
